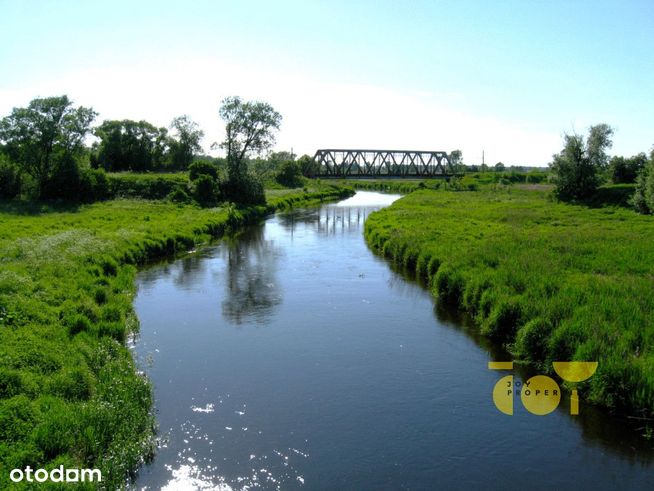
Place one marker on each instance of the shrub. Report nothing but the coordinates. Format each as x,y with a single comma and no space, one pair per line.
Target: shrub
179,195
643,199
247,190
202,168
205,190
289,174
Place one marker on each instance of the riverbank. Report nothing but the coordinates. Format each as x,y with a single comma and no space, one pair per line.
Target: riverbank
70,393
551,281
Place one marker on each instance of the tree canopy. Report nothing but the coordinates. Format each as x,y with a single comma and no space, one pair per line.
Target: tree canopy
44,133
577,166
250,129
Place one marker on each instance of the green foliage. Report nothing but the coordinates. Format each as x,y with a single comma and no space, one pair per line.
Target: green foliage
246,190
643,199
552,281
625,170
185,142
308,166
48,132
201,167
205,190
130,146
249,128
10,179
577,167
290,174
146,186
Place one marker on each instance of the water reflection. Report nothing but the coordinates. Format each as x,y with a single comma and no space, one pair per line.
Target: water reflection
252,288
328,220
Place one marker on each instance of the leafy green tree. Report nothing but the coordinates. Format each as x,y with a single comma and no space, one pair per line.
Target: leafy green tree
201,167
250,129
308,166
626,170
290,174
131,145
499,167
597,142
10,178
577,167
49,131
185,143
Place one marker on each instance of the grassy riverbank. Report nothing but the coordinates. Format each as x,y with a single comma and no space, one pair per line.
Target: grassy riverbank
552,281
69,391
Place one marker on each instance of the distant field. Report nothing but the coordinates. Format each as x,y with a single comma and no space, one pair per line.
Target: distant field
552,281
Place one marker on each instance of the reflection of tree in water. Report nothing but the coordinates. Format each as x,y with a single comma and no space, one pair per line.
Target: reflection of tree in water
252,290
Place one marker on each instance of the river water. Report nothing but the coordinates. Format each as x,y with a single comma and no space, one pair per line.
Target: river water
291,357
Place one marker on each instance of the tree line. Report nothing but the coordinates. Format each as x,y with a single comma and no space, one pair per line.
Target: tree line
44,155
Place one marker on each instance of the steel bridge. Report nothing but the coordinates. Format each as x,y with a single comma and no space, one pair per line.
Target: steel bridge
381,163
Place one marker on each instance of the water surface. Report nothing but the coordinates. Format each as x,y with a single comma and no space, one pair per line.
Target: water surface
291,357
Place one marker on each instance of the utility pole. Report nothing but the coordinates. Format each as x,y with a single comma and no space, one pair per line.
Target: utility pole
482,158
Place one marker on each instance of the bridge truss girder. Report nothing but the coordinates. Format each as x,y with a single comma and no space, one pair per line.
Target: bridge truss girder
381,163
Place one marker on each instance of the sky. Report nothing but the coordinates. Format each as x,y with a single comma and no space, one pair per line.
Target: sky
506,78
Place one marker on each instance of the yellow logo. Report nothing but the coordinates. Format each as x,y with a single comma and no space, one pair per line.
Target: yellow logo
540,394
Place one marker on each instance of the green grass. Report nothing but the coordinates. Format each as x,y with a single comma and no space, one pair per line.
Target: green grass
552,281
69,391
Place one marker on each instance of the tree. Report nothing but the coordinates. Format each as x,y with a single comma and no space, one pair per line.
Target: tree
626,170
308,166
46,132
499,167
250,129
576,168
186,142
456,160
131,145
598,141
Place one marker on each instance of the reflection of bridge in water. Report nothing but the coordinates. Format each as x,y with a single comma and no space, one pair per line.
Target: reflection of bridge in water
328,220
381,163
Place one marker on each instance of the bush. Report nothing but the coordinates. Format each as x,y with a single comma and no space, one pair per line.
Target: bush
290,174
205,190
94,185
246,190
179,195
643,199
10,179
73,183
64,182
145,186
202,168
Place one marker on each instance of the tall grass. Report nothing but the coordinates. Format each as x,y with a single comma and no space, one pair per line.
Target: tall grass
551,281
69,391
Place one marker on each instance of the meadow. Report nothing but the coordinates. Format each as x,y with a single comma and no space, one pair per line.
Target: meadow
70,393
550,281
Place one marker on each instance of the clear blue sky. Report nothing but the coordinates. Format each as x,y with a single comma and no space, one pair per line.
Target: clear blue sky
505,77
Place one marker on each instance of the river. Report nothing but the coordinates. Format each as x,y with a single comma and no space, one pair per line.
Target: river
292,357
